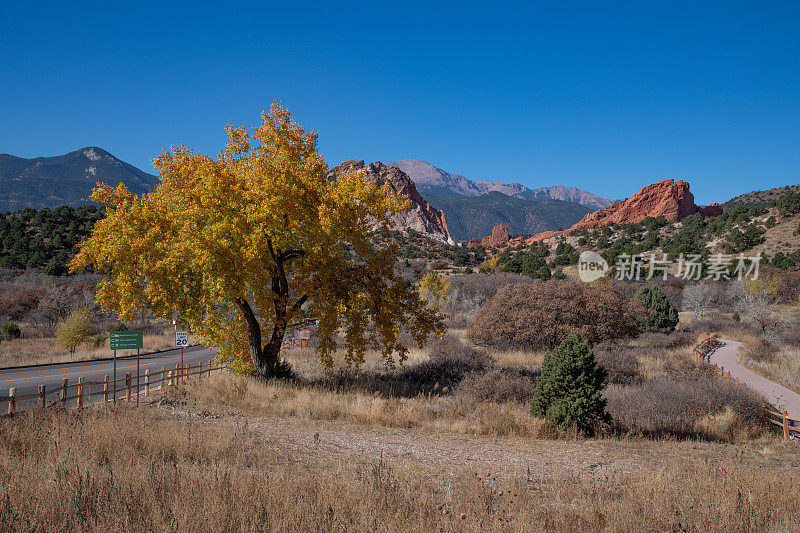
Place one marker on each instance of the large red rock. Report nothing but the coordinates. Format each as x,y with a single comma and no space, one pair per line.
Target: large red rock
668,198
473,243
420,216
498,238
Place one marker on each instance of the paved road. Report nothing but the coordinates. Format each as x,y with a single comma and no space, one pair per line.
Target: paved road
776,394
28,379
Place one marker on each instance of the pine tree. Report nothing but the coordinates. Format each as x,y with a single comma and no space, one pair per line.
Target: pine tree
662,316
569,390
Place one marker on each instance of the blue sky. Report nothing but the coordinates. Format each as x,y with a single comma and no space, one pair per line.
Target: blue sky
604,98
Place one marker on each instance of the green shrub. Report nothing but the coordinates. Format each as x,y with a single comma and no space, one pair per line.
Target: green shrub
11,331
662,316
569,390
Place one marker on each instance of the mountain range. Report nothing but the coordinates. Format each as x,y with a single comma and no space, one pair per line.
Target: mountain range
435,182
65,179
471,208
475,216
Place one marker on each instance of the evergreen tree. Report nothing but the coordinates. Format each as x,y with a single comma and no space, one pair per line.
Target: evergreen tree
662,316
569,390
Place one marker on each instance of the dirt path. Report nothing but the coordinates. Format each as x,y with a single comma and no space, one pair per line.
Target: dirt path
440,453
776,394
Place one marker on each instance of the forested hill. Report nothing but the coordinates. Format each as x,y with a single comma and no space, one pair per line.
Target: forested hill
47,238
65,179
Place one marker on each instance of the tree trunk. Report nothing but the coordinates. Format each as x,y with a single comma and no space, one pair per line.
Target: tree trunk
267,358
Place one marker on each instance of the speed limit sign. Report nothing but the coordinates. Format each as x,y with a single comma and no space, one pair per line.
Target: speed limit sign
181,338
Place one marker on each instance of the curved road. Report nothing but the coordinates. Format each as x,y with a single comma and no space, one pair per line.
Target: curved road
777,395
27,379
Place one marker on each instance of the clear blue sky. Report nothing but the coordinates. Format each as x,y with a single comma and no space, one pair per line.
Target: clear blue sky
604,98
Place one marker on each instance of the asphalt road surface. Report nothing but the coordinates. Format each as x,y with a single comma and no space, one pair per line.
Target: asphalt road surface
27,379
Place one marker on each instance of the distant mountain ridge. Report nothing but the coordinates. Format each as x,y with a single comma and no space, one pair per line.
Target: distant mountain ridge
475,216
433,181
67,179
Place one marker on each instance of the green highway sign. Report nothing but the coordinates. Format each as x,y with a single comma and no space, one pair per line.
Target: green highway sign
126,340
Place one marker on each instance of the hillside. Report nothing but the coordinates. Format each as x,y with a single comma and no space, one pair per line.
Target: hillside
759,197
474,217
46,238
435,182
64,180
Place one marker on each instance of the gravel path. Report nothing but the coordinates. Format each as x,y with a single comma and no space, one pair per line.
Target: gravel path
776,394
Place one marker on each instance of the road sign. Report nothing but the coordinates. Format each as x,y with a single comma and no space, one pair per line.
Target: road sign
126,340
304,334
181,339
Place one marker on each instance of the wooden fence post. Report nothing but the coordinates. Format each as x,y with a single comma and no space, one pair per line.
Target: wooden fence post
127,386
42,396
785,427
178,373
80,392
162,378
105,389
12,400
147,383
64,390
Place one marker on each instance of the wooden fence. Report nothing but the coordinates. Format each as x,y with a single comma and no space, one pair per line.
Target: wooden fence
790,426
703,350
108,390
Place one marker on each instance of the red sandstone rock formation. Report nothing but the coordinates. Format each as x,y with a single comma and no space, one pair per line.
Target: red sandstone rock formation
498,238
420,216
473,243
668,198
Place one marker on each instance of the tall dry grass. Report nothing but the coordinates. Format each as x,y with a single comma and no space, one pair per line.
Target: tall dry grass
34,351
146,470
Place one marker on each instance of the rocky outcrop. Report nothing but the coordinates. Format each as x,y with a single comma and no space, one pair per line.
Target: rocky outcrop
712,210
473,243
498,238
668,198
420,216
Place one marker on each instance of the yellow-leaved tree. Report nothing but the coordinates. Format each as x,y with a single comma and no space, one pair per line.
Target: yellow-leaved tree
236,246
433,288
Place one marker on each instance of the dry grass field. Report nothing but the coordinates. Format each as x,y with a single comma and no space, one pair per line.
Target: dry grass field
233,461
34,351
445,443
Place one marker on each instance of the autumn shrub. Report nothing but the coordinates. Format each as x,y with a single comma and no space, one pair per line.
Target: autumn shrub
569,390
689,406
541,314
499,385
678,339
758,349
449,361
621,364
74,330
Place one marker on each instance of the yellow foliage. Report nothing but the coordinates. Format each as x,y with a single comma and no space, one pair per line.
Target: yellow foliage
74,330
236,245
488,264
433,289
763,285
